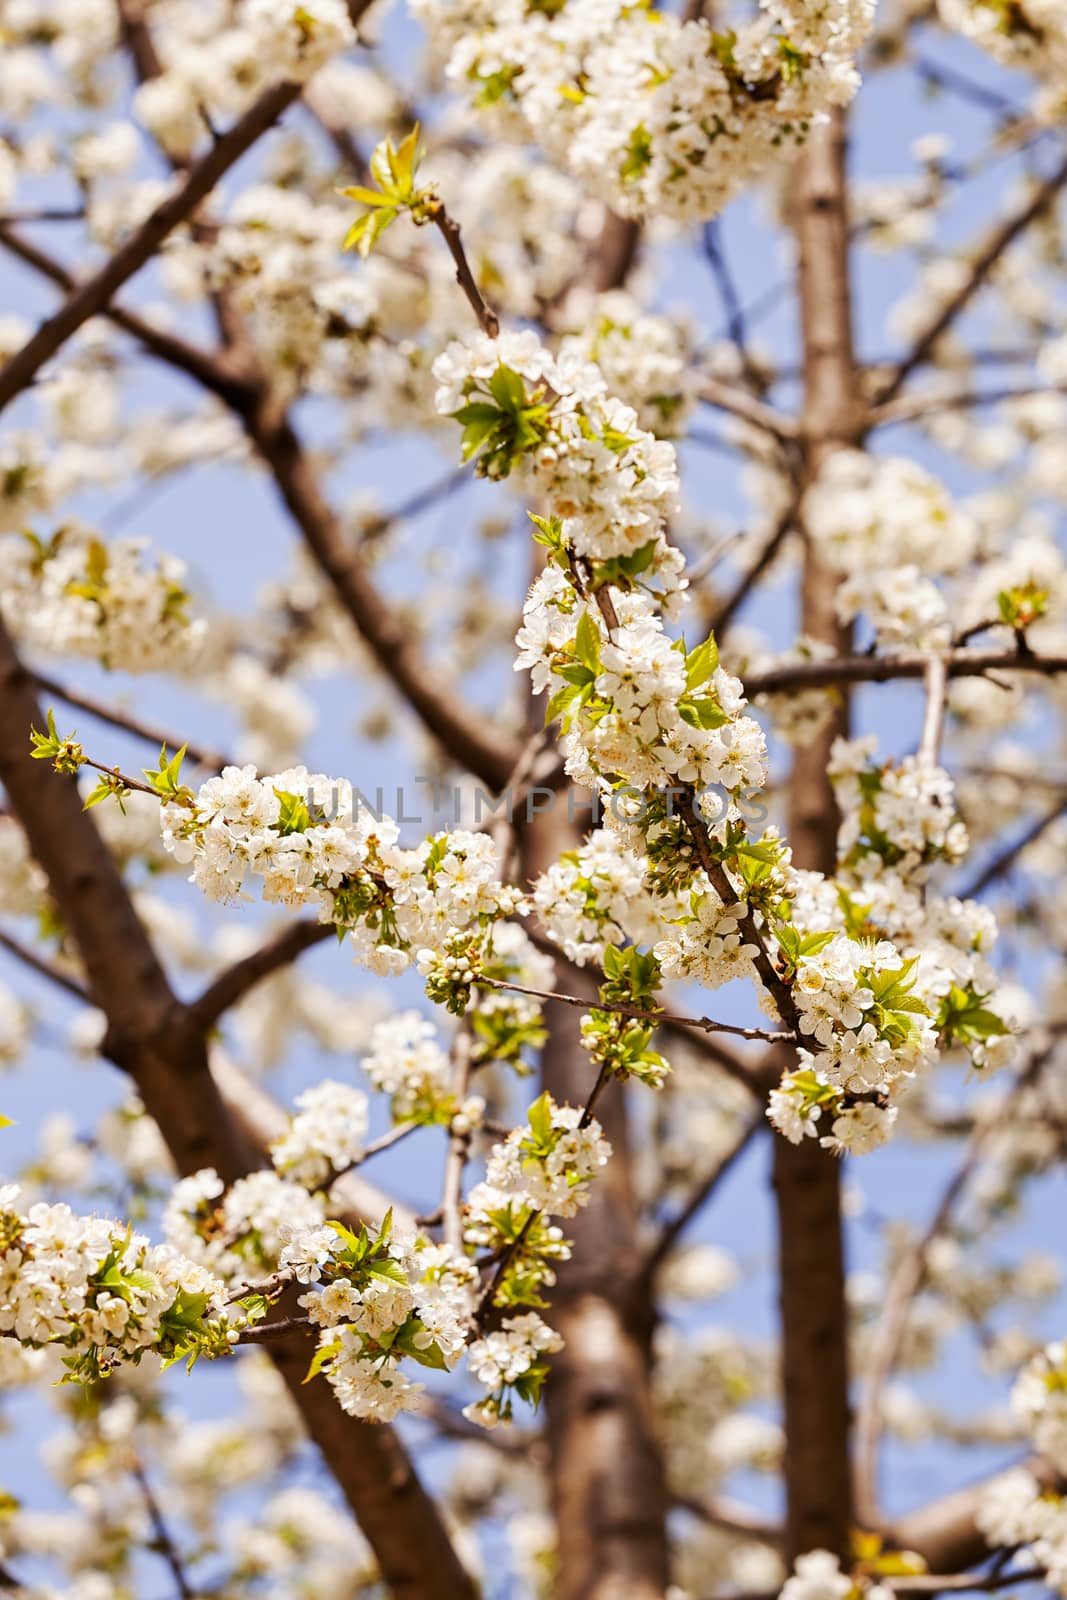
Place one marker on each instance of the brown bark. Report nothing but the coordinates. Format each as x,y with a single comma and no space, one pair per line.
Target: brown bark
806,1178
944,1532
150,1034
606,1468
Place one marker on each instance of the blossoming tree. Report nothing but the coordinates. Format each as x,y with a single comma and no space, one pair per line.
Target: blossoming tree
697,891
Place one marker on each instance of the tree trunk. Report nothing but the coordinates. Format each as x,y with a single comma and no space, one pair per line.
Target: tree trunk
807,1179
609,1497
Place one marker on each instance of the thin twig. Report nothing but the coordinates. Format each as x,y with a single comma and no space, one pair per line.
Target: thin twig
459,1141
234,983
729,608
733,310
934,719
448,227
909,408
200,755
162,1542
639,1013
261,1332
728,397
732,1517
46,968
772,980
1006,858
963,1582
46,214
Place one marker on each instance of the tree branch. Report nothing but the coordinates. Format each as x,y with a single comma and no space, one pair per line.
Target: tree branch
218,373
449,230
934,718
675,1226
728,397
232,985
464,732
807,1181
1000,240
93,295
849,669
1006,858
910,408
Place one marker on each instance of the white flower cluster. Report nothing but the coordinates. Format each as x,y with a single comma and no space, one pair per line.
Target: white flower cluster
239,1232
100,1290
1016,1509
867,1048
406,1062
545,1167
818,1576
651,725
1029,35
644,711
76,595
708,948
890,529
279,829
644,358
293,38
597,895
325,1136
378,1302
901,814
1040,1398
611,481
889,973
503,1359
649,112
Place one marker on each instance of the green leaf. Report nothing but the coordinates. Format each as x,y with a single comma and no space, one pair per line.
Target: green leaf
614,961
579,676
323,1354
702,713
587,642
701,663
479,411
367,197
365,232
43,746
560,702
294,816
96,563
549,530
638,154
539,1117
404,160
507,389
